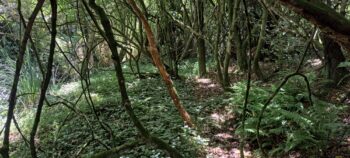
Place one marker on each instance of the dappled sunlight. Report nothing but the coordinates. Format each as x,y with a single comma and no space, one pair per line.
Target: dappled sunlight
3,94
220,152
315,62
96,97
133,84
206,87
191,79
207,83
68,88
219,118
3,102
224,136
203,80
224,142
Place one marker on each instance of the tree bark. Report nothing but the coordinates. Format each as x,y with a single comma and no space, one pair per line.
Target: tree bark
12,98
256,67
157,61
47,78
112,43
333,57
333,24
233,9
220,14
202,70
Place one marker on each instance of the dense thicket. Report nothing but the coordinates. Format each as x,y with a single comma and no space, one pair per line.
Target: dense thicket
178,78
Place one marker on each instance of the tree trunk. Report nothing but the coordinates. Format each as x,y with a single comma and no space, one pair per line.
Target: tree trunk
202,70
256,67
112,43
332,24
233,8
333,57
157,61
47,78
220,14
12,98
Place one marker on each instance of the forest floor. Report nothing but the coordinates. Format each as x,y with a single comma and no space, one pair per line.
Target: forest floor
223,142
68,133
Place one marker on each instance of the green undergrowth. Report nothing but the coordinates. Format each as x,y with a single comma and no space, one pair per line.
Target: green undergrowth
290,122
64,133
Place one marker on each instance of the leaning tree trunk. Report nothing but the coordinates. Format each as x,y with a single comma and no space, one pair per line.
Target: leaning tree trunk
4,151
47,78
112,43
158,62
333,24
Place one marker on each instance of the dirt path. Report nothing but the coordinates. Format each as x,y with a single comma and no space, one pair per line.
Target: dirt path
219,127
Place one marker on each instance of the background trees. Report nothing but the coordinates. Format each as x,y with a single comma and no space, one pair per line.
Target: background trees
58,64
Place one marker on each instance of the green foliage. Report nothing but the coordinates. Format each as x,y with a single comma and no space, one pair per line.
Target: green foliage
64,133
344,64
290,123
189,67
29,84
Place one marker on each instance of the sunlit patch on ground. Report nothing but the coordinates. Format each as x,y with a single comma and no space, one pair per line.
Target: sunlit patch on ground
206,83
68,88
224,143
224,136
206,87
219,152
315,62
220,118
347,120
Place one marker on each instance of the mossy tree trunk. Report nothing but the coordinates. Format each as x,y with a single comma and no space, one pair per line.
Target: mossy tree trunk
220,14
257,56
232,17
332,24
200,42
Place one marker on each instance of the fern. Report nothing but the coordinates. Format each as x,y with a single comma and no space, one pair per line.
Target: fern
288,124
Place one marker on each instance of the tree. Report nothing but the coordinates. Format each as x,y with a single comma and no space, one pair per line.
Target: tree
12,98
331,23
257,56
200,42
47,79
108,34
158,62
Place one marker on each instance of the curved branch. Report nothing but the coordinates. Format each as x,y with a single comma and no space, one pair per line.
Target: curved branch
327,19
